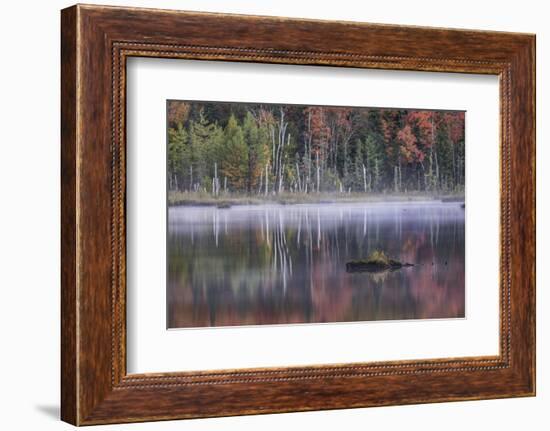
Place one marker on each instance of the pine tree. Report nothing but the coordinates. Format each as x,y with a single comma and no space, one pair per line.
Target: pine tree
234,164
205,140
178,156
445,158
257,140
374,163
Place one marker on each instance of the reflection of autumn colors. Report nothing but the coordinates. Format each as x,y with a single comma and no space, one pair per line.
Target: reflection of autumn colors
276,264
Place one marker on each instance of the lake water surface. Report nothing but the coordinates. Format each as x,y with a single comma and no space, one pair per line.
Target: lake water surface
281,264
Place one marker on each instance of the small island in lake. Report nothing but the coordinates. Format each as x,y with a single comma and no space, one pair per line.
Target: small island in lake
377,261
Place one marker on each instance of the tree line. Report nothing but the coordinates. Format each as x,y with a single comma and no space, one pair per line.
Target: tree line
266,149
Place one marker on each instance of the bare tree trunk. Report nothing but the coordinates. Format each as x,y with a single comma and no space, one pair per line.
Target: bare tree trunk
298,176
216,183
276,162
434,155
345,158
454,168
281,179
376,173
430,173
272,144
278,145
318,173
266,178
437,182
400,184
365,178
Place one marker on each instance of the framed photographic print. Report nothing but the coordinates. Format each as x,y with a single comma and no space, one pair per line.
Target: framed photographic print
265,215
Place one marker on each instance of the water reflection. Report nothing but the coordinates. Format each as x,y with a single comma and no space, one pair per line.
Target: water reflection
276,264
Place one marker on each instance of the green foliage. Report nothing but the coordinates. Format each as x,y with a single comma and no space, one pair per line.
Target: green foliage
234,164
445,158
374,162
178,154
378,257
330,182
257,139
264,149
206,144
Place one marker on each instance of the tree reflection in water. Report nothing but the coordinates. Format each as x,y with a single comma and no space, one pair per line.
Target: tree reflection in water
280,264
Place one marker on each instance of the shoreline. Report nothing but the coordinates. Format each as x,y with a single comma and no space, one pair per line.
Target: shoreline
289,199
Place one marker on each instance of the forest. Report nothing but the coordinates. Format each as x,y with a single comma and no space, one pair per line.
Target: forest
218,149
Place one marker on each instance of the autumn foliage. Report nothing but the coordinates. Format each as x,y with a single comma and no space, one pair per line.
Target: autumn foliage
267,149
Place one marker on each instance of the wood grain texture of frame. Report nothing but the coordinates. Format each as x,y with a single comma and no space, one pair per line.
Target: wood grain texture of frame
96,41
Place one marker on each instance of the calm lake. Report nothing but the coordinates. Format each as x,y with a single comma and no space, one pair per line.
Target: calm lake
280,264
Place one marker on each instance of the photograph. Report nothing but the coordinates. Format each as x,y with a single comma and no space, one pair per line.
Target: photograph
292,214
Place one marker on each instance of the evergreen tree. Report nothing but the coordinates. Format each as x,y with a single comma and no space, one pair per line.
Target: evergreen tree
374,163
234,164
205,142
257,140
445,158
178,156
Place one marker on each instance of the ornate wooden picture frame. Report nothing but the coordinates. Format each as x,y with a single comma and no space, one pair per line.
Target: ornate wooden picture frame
96,41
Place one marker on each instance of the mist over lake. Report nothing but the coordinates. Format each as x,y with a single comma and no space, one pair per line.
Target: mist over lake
286,264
